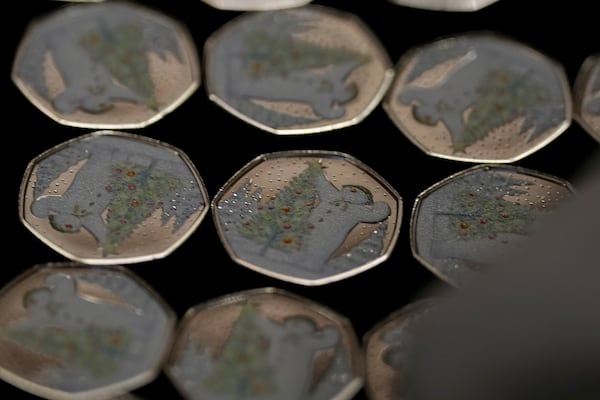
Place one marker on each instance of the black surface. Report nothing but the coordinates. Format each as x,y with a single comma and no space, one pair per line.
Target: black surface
219,144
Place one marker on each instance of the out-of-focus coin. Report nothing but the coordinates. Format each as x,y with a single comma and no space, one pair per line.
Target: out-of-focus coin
70,331
479,97
446,5
386,345
586,96
301,70
461,224
265,344
307,217
110,197
255,5
106,65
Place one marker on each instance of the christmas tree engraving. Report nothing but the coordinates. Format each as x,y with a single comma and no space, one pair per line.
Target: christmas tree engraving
102,55
487,85
123,53
95,349
137,192
292,357
305,224
502,97
121,184
282,222
486,213
273,64
242,369
270,53
85,340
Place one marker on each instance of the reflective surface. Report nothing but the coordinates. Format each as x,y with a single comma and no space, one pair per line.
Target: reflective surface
106,65
219,145
110,197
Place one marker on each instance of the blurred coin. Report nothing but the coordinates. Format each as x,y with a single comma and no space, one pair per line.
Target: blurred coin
255,5
586,93
301,70
463,223
446,5
386,345
265,344
70,331
479,97
106,65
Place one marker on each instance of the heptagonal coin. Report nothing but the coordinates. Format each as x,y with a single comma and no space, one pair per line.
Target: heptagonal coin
308,217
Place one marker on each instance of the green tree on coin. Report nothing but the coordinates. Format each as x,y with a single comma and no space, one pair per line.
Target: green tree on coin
485,212
281,222
242,368
137,191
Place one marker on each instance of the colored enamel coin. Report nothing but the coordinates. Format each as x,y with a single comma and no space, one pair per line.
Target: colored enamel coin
301,70
460,225
446,5
587,96
308,217
479,97
110,198
106,65
255,5
265,344
386,346
70,331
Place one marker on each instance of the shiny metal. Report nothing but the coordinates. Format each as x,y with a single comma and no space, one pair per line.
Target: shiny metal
255,5
462,224
479,97
265,344
586,96
297,71
110,197
386,345
106,65
446,5
307,217
72,332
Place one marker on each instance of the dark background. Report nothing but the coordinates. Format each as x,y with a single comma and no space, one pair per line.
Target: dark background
219,145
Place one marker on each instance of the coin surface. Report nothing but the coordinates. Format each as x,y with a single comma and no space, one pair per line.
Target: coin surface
446,5
461,224
106,65
73,331
386,345
307,217
296,71
110,197
255,5
586,96
265,344
479,97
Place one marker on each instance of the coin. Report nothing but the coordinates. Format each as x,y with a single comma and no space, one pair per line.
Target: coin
446,5
255,5
265,344
307,217
462,224
106,65
73,331
386,346
479,97
110,197
586,96
297,71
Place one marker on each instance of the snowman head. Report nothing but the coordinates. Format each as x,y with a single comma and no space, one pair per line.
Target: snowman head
356,194
66,223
